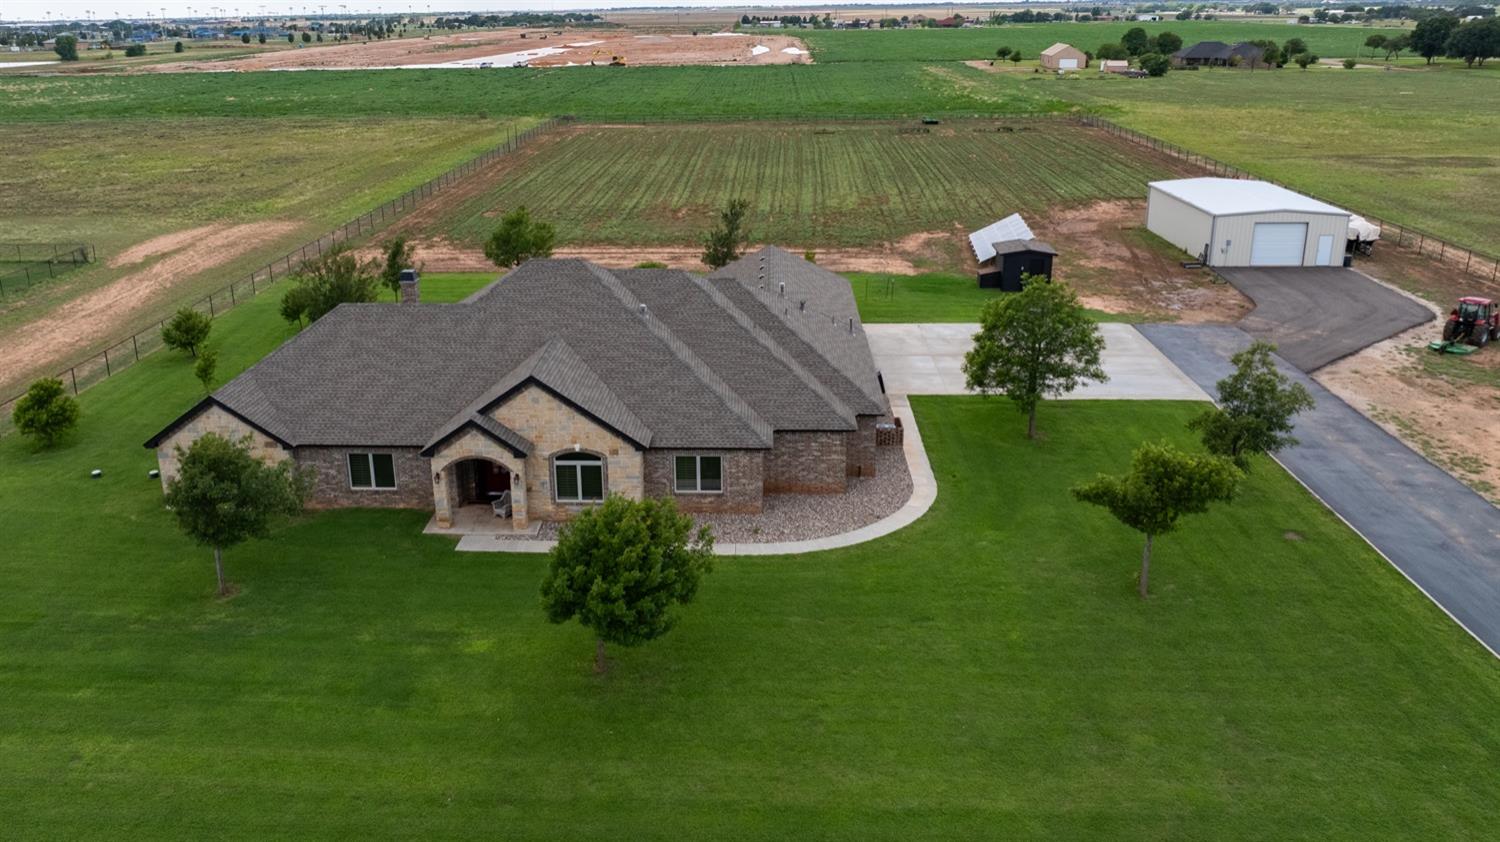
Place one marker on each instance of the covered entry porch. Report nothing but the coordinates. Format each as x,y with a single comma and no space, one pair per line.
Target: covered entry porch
478,484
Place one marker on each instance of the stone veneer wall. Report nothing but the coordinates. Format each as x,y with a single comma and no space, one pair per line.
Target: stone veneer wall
213,419
744,480
330,488
807,463
553,427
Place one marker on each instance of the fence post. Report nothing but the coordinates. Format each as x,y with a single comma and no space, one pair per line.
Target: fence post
135,347
210,305
73,373
107,372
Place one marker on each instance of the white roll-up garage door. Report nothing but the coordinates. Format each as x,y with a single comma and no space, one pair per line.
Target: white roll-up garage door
1278,243
1067,64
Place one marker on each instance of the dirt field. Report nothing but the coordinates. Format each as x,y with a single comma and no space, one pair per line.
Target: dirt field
533,47
63,335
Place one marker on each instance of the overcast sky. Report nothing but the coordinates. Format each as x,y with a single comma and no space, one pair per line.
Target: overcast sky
14,10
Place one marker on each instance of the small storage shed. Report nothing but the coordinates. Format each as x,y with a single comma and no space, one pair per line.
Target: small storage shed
1062,56
1007,250
1238,222
1115,65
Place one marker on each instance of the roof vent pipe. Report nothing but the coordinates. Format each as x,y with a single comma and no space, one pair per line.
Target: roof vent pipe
851,325
782,289
802,306
643,309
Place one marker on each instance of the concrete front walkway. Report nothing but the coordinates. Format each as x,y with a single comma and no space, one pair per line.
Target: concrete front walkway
923,493
927,359
1434,529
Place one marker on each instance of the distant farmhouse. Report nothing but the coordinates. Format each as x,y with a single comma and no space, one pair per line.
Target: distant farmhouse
564,382
1219,54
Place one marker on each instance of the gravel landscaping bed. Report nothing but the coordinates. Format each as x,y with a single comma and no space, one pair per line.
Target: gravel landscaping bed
798,517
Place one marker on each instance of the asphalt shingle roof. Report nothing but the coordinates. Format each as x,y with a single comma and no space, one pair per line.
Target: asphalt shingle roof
663,358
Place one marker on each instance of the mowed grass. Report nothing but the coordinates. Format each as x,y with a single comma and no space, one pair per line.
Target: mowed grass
117,184
987,671
933,297
1413,147
845,184
906,45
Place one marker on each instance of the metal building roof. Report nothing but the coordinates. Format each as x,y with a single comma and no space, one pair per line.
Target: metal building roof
1234,196
1012,227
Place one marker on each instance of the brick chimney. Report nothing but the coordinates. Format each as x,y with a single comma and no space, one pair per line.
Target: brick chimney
411,286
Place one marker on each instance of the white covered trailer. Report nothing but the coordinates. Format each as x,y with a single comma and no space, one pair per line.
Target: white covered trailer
1236,222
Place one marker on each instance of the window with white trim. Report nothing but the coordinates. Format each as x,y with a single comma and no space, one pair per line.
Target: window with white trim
578,478
699,475
375,471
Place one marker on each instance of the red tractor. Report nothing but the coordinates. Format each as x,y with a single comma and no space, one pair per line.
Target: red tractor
1474,322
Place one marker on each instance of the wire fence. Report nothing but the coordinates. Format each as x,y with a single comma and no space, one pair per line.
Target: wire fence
1467,259
23,265
129,351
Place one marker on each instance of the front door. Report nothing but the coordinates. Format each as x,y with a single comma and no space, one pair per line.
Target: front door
490,481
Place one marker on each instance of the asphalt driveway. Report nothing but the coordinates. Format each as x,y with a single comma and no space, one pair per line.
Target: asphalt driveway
1320,314
1443,536
927,359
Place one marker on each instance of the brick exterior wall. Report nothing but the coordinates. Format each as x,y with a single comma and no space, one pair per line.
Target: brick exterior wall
807,463
860,446
214,420
553,427
744,480
330,475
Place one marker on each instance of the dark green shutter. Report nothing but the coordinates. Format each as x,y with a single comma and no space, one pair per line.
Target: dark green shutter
385,470
687,473
359,470
711,473
567,482
593,481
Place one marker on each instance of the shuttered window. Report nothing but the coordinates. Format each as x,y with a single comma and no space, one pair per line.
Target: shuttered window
698,474
578,478
372,470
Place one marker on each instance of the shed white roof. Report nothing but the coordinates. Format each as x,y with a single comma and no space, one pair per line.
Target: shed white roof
1056,48
1012,227
1232,196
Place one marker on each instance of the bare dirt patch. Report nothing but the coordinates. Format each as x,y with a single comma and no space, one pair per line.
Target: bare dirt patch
1105,253
443,255
1442,277
562,48
1447,409
69,331
158,246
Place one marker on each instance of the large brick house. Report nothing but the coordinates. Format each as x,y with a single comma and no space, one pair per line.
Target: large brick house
563,382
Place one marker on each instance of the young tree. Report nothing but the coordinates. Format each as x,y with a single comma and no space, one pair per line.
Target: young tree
1256,406
204,368
1135,41
187,330
1163,485
324,282
1015,56
519,239
1350,64
1033,344
1294,47
177,47
46,412
1304,59
1375,42
1155,64
66,47
223,496
245,38
722,245
1430,36
1395,46
621,567
261,38
398,255
1002,52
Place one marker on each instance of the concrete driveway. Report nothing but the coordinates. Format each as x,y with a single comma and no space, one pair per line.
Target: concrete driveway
927,359
1321,314
1442,536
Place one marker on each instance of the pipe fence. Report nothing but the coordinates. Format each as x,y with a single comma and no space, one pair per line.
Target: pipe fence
128,351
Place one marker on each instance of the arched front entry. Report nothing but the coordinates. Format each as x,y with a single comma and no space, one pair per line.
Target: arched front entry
467,486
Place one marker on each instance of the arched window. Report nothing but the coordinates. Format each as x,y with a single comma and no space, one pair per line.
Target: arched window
578,478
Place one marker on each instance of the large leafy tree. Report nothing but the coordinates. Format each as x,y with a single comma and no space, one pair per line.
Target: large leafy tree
1256,406
324,282
518,239
1165,43
1475,41
1430,36
1155,64
1163,485
223,496
1135,41
66,47
187,330
46,412
399,255
1033,344
622,567
724,243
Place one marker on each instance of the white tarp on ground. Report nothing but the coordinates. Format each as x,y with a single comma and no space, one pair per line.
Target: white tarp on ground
1012,227
1363,229
5,64
759,50
793,51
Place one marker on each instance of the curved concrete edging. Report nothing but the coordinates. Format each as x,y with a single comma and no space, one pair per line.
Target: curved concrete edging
923,494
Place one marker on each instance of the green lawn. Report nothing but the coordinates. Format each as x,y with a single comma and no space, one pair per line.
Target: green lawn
932,297
986,672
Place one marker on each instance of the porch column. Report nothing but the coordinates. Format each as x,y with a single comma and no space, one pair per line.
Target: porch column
444,488
518,519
